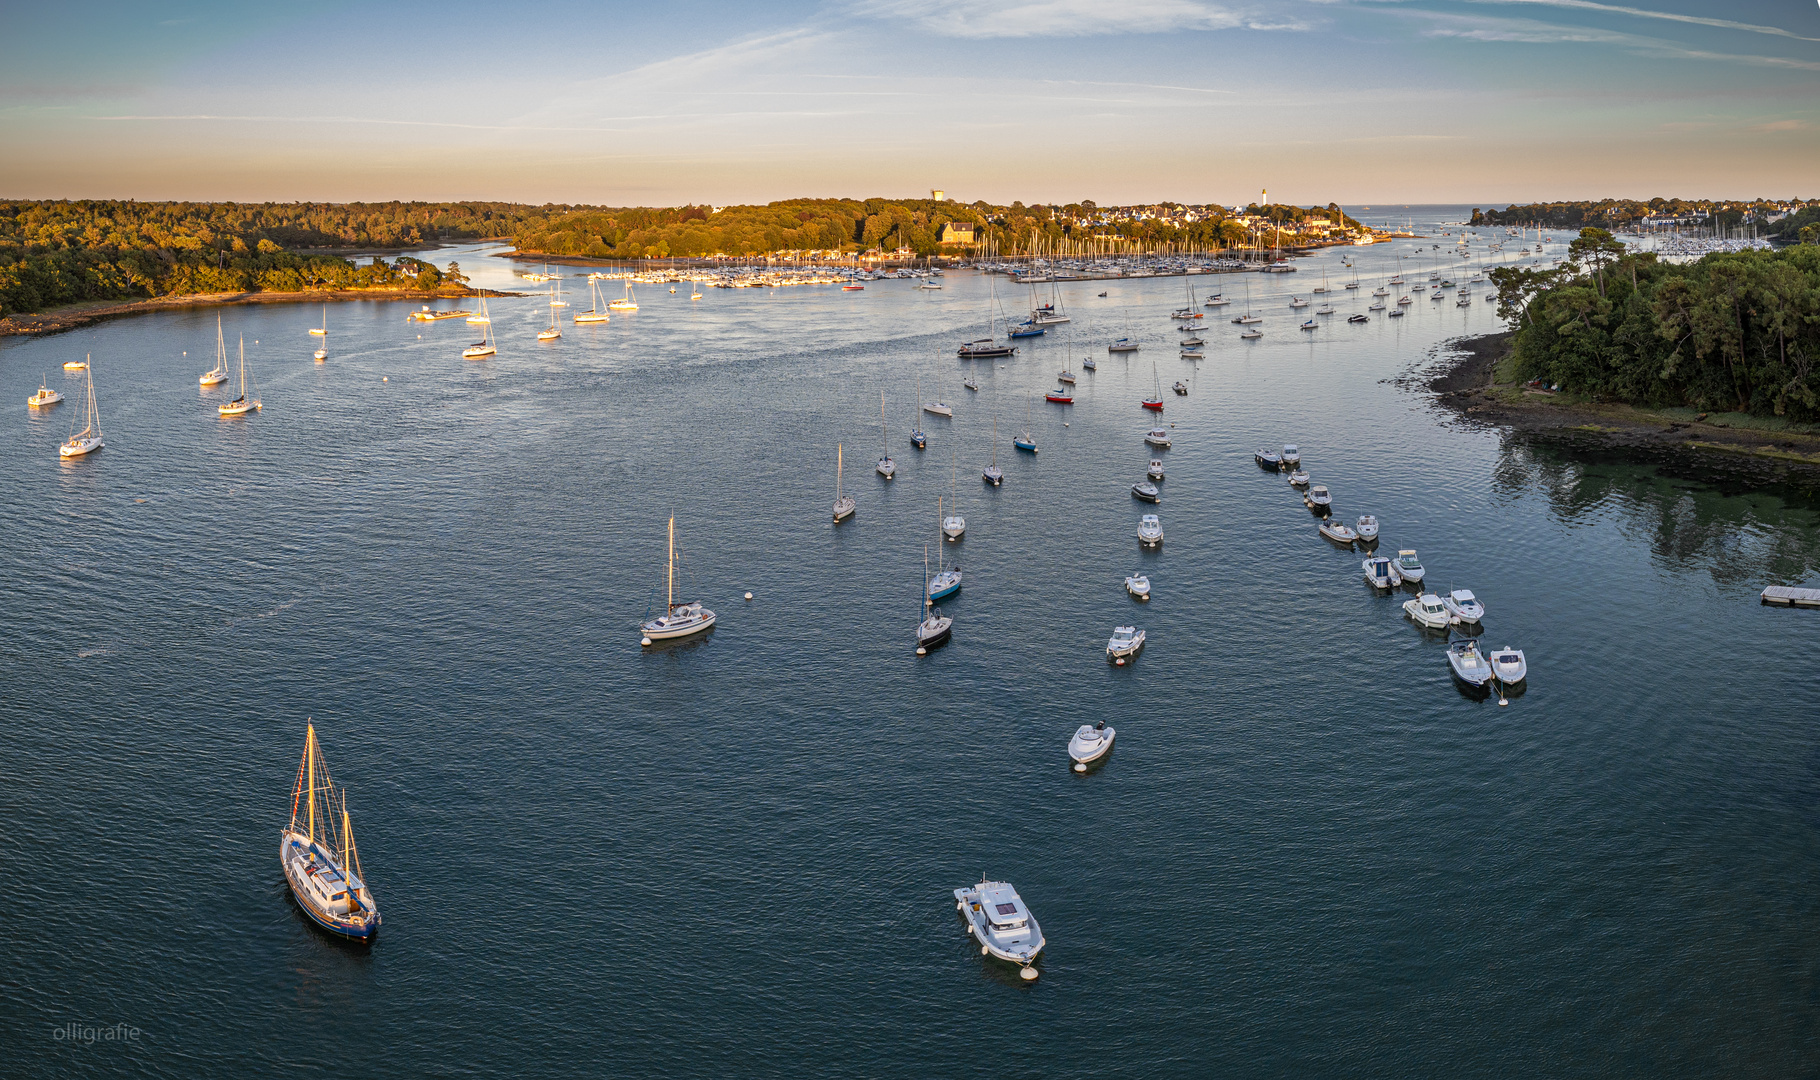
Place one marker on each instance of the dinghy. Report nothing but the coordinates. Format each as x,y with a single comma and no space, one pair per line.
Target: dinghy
1000,922
1181,388
1464,605
1090,743
1468,663
1428,611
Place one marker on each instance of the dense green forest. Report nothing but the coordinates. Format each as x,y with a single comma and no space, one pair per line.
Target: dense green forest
62,252
1607,213
1735,331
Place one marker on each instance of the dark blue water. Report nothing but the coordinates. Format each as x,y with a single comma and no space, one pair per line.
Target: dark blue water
1309,854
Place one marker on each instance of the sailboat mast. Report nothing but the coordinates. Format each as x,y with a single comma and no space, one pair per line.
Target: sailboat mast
670,600
840,461
309,755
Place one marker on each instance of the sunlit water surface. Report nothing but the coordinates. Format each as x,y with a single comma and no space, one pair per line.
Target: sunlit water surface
1309,854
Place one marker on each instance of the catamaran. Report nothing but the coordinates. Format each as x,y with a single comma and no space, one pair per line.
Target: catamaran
218,373
678,620
843,504
243,404
89,438
317,851
484,347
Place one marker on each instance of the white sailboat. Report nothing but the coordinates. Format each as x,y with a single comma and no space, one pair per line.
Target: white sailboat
628,303
218,373
244,403
553,332
954,526
323,330
886,467
844,505
596,312
322,351
946,582
88,439
484,347
678,620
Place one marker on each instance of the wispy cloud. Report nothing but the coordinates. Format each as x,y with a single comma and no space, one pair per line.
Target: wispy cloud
1643,13
1541,33
1070,18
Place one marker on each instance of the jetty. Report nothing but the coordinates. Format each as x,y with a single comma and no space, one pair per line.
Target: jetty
1788,596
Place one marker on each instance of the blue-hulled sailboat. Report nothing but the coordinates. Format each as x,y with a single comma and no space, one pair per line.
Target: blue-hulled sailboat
318,854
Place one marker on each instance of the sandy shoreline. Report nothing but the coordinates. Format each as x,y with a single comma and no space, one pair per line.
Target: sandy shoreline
1725,449
60,319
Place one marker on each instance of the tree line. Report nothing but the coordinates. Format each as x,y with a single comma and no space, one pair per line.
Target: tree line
1611,212
1732,332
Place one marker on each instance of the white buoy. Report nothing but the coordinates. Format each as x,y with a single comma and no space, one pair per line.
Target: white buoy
1079,767
644,641
383,378
1121,661
748,595
920,651
1028,974
985,951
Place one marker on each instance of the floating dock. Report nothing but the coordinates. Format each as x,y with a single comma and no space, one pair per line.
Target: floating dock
1791,597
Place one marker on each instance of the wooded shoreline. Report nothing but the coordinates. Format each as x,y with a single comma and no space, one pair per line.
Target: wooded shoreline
71,316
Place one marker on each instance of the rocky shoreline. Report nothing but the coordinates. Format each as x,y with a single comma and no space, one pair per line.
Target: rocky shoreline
1468,382
60,319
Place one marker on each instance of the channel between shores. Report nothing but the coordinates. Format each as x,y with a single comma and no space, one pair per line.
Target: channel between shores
1475,380
71,316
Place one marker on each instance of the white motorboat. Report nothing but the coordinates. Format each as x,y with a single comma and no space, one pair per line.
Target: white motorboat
1338,531
1292,456
1000,922
1181,388
1464,605
1125,642
1407,566
76,365
1155,472
1509,665
1378,574
938,408
1297,302
44,396
1157,437
1090,743
1428,610
1368,528
1138,585
1269,459
88,440
1150,530
1145,490
1469,665
843,504
678,620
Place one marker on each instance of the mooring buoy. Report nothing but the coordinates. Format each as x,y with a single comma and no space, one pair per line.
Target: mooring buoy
1028,974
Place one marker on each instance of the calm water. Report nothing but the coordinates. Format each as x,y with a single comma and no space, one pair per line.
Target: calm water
1309,855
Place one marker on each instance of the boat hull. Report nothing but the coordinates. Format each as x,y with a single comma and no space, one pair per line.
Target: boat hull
658,630
363,931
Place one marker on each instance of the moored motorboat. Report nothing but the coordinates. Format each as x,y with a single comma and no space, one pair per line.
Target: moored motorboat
1428,610
1000,922
1157,437
1338,531
1292,455
44,396
1155,471
1181,388
1378,574
1298,477
1124,643
1368,529
318,855
1138,585
1150,530
1145,490
1464,606
1318,499
1268,459
1091,742
1358,318
1407,566
1509,665
1469,665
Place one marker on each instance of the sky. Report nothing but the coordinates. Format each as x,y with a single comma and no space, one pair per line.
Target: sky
1120,101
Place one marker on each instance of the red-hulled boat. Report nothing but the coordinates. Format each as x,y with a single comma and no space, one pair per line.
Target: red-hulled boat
1060,396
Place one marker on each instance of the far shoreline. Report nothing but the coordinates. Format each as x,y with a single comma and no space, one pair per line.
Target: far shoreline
72,316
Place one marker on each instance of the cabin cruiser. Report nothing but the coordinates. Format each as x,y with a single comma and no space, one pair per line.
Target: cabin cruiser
1138,585
680,621
44,396
954,526
886,467
945,584
1407,566
1181,388
1001,923
939,408
1509,665
1428,610
1298,477
1269,459
1091,743
1292,455
1338,531
1157,437
1377,573
1150,530
1123,344
1125,641
1469,664
1368,528
933,630
1464,605
1155,472
1145,490
1318,499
